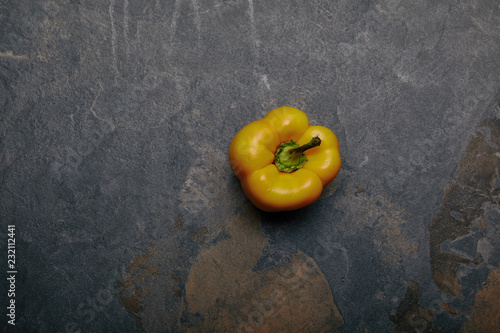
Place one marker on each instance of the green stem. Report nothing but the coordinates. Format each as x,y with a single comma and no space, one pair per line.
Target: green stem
290,157
315,141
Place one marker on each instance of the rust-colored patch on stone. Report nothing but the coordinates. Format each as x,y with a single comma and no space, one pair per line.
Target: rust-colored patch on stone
202,232
463,208
176,289
200,235
221,291
178,223
410,316
381,215
224,294
448,281
450,309
484,316
131,296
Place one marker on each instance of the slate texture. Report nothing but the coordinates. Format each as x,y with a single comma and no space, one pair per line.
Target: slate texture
115,121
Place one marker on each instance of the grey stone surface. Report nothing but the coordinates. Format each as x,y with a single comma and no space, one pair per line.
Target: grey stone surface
116,117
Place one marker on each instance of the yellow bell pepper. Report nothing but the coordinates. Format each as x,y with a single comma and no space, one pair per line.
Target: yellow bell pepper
282,162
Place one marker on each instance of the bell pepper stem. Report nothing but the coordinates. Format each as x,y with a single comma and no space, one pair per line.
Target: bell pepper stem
290,157
315,141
